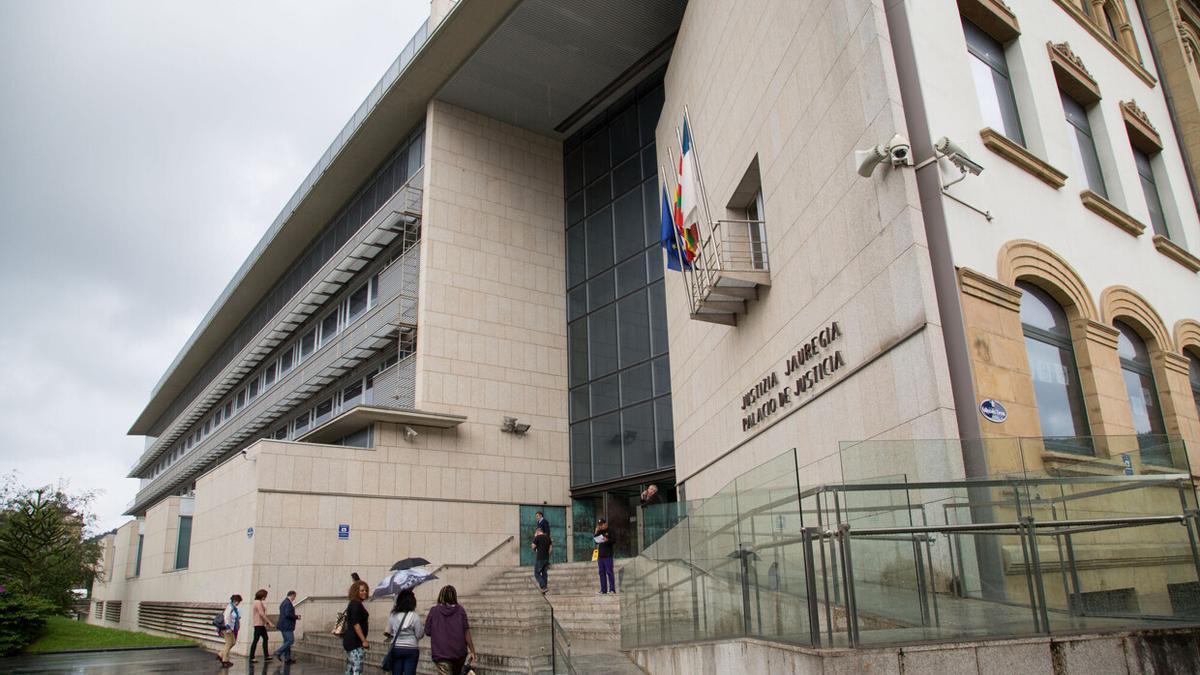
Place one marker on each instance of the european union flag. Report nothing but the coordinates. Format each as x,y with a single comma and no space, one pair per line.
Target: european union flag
670,240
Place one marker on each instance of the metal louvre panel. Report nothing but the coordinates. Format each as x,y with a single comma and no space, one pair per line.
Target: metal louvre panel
550,57
405,201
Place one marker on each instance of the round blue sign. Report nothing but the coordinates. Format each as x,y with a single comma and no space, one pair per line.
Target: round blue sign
249,532
993,410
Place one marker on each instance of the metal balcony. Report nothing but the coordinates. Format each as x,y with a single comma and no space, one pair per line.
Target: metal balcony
731,265
399,217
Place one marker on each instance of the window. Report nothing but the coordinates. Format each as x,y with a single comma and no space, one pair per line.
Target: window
183,547
329,326
239,401
252,389
997,103
352,394
755,227
286,360
323,410
1194,375
1143,396
1055,376
217,418
307,343
356,304
137,561
1150,189
300,425
280,433
228,409
1084,145
268,376
357,439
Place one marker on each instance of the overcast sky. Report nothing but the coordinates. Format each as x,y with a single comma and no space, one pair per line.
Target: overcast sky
145,146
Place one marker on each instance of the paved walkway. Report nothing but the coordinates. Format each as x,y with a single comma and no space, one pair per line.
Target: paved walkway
181,661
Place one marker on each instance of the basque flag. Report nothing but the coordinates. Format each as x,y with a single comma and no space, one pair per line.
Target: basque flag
670,237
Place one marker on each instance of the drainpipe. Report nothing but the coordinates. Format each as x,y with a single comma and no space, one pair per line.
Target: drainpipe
945,284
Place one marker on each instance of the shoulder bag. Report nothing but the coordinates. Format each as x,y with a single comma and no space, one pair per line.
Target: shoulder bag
388,659
339,624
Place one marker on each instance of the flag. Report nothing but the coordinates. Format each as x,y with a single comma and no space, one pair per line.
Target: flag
685,197
670,239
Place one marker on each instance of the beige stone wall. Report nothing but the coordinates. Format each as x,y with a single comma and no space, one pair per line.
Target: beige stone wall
801,86
492,336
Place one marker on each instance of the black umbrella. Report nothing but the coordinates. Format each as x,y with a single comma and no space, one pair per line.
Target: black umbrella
409,563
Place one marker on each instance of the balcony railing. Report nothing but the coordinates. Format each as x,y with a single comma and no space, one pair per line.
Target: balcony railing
731,264
879,545
375,331
399,217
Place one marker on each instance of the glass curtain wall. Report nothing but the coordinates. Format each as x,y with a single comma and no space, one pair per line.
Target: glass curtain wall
619,376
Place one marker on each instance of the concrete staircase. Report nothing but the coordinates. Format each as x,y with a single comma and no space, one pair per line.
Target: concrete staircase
510,624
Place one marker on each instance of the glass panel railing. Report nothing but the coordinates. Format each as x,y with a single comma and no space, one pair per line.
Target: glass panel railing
885,542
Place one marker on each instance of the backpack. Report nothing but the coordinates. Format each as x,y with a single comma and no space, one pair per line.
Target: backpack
339,624
218,621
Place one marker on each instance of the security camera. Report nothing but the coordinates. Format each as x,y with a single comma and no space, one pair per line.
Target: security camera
410,434
957,156
865,161
900,151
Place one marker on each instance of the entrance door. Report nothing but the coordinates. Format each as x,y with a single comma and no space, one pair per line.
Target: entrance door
584,512
557,515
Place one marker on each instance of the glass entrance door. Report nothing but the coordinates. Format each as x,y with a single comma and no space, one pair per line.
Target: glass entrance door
557,515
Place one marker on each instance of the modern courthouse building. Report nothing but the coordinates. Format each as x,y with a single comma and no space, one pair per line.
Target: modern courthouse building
929,371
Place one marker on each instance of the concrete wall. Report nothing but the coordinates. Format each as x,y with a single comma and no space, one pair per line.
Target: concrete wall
802,86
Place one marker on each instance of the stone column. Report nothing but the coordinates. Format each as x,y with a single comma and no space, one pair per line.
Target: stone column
1178,406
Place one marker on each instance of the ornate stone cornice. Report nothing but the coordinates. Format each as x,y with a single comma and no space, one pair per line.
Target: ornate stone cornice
1064,49
1143,134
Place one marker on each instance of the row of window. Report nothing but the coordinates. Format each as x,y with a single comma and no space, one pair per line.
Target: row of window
998,106
397,171
285,359
1059,392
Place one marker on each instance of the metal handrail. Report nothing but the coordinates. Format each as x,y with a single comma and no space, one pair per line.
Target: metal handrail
495,548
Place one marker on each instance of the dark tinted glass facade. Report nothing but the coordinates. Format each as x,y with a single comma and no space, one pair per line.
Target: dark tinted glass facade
619,376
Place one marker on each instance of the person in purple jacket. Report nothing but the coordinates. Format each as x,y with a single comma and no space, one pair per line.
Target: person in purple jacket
449,633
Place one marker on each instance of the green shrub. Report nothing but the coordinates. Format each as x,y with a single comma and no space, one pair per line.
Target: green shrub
22,619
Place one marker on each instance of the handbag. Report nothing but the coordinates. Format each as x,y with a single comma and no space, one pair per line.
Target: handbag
339,624
595,554
388,660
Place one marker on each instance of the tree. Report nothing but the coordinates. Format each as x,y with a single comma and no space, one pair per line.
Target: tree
44,548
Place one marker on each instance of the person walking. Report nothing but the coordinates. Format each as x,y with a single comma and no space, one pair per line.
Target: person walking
287,627
258,614
542,524
233,622
604,557
449,633
542,545
406,629
354,640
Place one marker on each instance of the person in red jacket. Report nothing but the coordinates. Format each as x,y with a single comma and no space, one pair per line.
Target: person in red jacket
449,633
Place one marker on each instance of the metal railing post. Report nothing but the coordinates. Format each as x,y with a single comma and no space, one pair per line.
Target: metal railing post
810,587
1036,562
843,537
1190,515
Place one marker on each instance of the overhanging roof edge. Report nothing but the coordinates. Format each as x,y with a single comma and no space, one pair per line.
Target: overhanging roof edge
401,105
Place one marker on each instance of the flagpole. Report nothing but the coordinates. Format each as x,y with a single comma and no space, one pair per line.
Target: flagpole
687,284
712,230
703,270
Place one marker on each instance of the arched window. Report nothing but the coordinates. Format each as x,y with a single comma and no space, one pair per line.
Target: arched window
1055,376
1143,396
1194,374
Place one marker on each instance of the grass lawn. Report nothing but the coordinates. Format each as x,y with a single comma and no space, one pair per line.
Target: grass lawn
63,634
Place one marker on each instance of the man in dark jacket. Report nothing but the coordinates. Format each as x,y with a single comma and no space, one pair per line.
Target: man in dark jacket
449,634
541,563
287,627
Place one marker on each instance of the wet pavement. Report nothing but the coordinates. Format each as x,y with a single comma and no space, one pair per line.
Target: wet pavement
179,661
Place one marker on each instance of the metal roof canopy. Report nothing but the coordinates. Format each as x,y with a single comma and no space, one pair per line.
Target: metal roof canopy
554,61
398,110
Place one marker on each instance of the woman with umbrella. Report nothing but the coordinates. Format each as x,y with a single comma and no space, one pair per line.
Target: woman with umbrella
406,629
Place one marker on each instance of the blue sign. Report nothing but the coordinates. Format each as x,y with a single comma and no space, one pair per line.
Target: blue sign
249,532
344,531
993,410
1128,462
